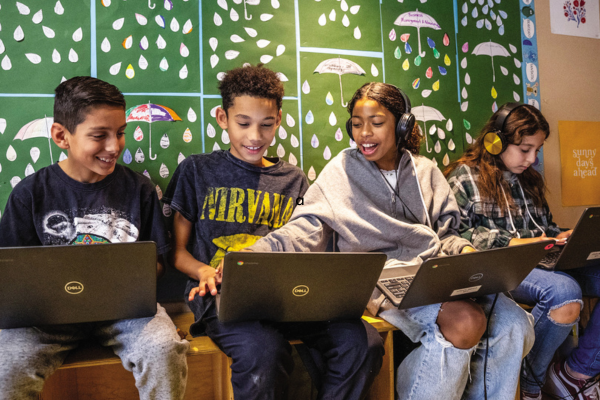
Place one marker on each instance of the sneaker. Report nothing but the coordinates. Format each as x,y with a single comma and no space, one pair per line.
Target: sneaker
560,384
530,396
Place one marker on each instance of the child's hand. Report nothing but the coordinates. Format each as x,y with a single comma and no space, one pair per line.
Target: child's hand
208,283
562,237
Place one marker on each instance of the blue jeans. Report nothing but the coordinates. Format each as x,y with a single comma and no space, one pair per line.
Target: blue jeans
349,352
438,370
585,359
546,291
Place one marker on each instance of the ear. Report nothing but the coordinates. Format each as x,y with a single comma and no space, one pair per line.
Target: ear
60,135
221,118
278,121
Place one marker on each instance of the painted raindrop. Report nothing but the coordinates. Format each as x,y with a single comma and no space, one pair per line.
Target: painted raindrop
168,5
62,156
451,145
128,42
345,21
163,171
225,137
512,48
397,53
464,93
78,35
494,107
405,65
294,141
332,119
447,60
449,125
159,192
160,21
47,31
265,59
164,64
416,83
344,6
329,99
15,181
467,124
11,154
262,43
516,79
37,17
517,63
213,42
332,15
429,73
191,115
418,60
463,63
251,32
115,68
282,133
6,64
314,141
312,175
105,45
187,135
58,8
305,87
354,10
357,34
2,48
432,130
392,35
127,157
214,60
164,141
504,70
464,106
467,79
118,24
213,111
142,62
183,72
446,40
425,93
174,25
465,47
138,134
234,15
210,131
436,86
161,42
141,19
404,38
327,153
139,156
73,56
129,72
180,158
230,54
222,4
292,159
290,121
474,13
187,27
352,143
273,141
275,4
280,50
374,70
446,160
516,96
441,134
280,151
146,174
23,9
437,147
34,58
464,21
494,92
309,117
322,20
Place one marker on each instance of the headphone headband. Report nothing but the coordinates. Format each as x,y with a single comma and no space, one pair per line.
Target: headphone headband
495,141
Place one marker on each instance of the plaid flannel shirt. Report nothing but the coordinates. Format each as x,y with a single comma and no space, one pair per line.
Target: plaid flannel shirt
486,224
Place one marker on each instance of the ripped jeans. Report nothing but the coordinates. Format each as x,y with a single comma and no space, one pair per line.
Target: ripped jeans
438,370
547,291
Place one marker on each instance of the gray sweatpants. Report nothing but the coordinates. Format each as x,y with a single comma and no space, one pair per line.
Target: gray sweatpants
148,347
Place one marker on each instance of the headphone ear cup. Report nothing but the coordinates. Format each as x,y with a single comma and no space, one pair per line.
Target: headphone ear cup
349,128
494,142
404,128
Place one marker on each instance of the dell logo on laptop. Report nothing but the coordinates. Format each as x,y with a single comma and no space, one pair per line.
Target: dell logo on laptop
475,277
300,290
74,287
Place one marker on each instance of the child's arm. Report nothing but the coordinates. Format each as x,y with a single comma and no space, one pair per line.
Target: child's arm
186,263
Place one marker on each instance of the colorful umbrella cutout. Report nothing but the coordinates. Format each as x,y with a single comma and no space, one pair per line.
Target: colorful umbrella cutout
151,113
417,19
493,50
36,129
425,113
339,66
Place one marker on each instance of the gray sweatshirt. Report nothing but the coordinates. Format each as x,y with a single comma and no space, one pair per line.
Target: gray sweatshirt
352,198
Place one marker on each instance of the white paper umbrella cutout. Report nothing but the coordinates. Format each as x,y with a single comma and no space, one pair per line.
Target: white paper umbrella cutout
38,128
339,66
493,50
58,8
38,17
11,154
425,113
35,154
417,19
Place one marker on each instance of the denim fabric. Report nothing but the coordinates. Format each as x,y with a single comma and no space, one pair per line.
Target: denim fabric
438,370
350,352
585,359
149,347
546,290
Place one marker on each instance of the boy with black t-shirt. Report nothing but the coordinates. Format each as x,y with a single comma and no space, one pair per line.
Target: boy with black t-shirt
226,201
88,199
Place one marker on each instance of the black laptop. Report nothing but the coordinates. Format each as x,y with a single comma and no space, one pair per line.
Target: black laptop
51,285
582,248
297,287
449,278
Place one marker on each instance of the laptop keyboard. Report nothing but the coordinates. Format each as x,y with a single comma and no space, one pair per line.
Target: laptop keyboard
398,286
549,261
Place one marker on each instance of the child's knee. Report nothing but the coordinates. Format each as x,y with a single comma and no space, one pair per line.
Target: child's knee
565,314
462,323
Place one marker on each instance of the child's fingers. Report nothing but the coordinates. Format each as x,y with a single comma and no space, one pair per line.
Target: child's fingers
193,293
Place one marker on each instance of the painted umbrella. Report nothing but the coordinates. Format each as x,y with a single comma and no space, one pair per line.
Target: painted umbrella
493,50
252,3
339,66
425,113
36,129
417,19
151,113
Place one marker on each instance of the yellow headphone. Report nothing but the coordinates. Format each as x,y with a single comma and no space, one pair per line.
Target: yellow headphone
495,141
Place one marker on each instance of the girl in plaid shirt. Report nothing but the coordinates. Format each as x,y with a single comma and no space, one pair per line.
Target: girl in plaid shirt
502,204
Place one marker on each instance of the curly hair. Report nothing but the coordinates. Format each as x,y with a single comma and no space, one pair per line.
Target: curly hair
76,96
389,97
524,120
254,81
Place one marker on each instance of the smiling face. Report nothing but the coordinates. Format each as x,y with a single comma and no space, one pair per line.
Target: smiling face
374,131
251,123
95,146
517,158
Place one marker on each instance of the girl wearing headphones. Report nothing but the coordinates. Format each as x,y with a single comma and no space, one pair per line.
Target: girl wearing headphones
382,196
502,202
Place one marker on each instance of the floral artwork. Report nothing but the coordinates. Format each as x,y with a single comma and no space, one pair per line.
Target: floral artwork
575,11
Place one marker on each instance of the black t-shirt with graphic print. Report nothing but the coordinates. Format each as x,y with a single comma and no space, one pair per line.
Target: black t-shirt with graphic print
50,208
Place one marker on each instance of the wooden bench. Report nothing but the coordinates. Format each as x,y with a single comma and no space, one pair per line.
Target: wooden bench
93,372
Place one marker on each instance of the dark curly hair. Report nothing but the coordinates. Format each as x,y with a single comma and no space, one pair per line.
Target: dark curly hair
389,97
75,98
525,120
254,81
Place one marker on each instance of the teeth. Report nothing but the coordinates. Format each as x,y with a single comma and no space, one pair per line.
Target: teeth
253,148
369,145
106,159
